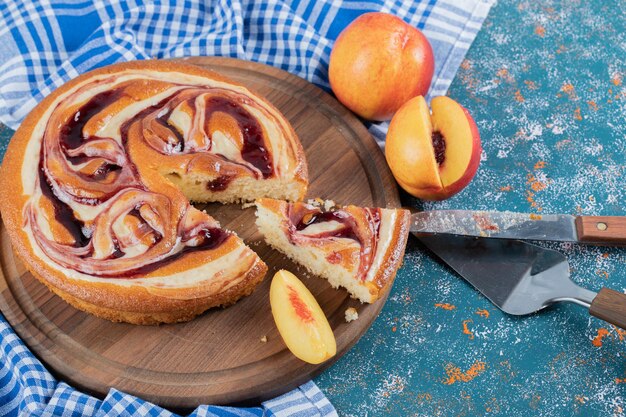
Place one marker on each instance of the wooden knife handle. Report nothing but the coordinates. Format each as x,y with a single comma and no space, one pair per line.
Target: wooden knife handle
609,230
610,306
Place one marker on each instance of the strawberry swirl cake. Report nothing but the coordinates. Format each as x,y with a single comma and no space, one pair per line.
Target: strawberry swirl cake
99,177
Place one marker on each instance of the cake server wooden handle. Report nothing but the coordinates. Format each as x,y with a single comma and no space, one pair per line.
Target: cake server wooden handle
601,229
610,306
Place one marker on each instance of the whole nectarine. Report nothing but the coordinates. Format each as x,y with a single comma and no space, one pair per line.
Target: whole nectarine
378,63
433,156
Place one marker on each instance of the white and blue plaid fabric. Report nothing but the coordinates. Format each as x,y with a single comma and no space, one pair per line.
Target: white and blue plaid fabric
44,43
27,389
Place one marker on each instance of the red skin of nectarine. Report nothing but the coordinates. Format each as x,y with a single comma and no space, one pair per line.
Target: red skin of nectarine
378,63
474,161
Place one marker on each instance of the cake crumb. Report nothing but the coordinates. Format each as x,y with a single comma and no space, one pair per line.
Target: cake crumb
313,202
264,339
351,314
248,205
326,205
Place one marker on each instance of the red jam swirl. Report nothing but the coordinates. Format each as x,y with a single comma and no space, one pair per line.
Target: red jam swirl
65,148
169,139
63,213
136,230
254,150
365,232
211,238
220,183
71,135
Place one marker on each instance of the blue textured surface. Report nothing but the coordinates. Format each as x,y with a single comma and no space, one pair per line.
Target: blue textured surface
546,85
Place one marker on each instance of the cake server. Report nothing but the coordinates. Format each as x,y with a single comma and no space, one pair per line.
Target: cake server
608,230
521,278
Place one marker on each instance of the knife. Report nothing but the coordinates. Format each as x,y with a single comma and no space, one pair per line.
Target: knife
521,278
609,230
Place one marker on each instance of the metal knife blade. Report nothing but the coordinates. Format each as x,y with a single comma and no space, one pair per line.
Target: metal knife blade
505,225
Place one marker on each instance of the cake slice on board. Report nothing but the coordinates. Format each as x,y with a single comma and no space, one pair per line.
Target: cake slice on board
353,247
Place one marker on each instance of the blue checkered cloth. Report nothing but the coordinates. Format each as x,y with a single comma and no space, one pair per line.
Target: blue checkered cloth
28,389
45,43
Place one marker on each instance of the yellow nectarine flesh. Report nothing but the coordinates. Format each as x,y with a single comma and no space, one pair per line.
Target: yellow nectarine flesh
405,150
449,119
300,320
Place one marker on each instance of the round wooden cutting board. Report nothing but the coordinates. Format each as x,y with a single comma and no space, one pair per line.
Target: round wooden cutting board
219,357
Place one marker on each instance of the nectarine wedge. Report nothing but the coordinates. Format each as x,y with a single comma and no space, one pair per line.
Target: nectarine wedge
300,320
433,156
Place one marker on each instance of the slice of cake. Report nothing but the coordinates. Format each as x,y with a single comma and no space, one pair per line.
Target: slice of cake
357,248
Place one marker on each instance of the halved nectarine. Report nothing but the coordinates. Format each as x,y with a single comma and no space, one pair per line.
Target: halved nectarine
433,156
300,320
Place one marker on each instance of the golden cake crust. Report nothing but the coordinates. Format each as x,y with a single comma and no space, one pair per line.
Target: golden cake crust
383,280
141,304
138,306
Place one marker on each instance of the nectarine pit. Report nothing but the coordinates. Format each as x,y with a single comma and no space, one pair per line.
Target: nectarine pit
439,145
